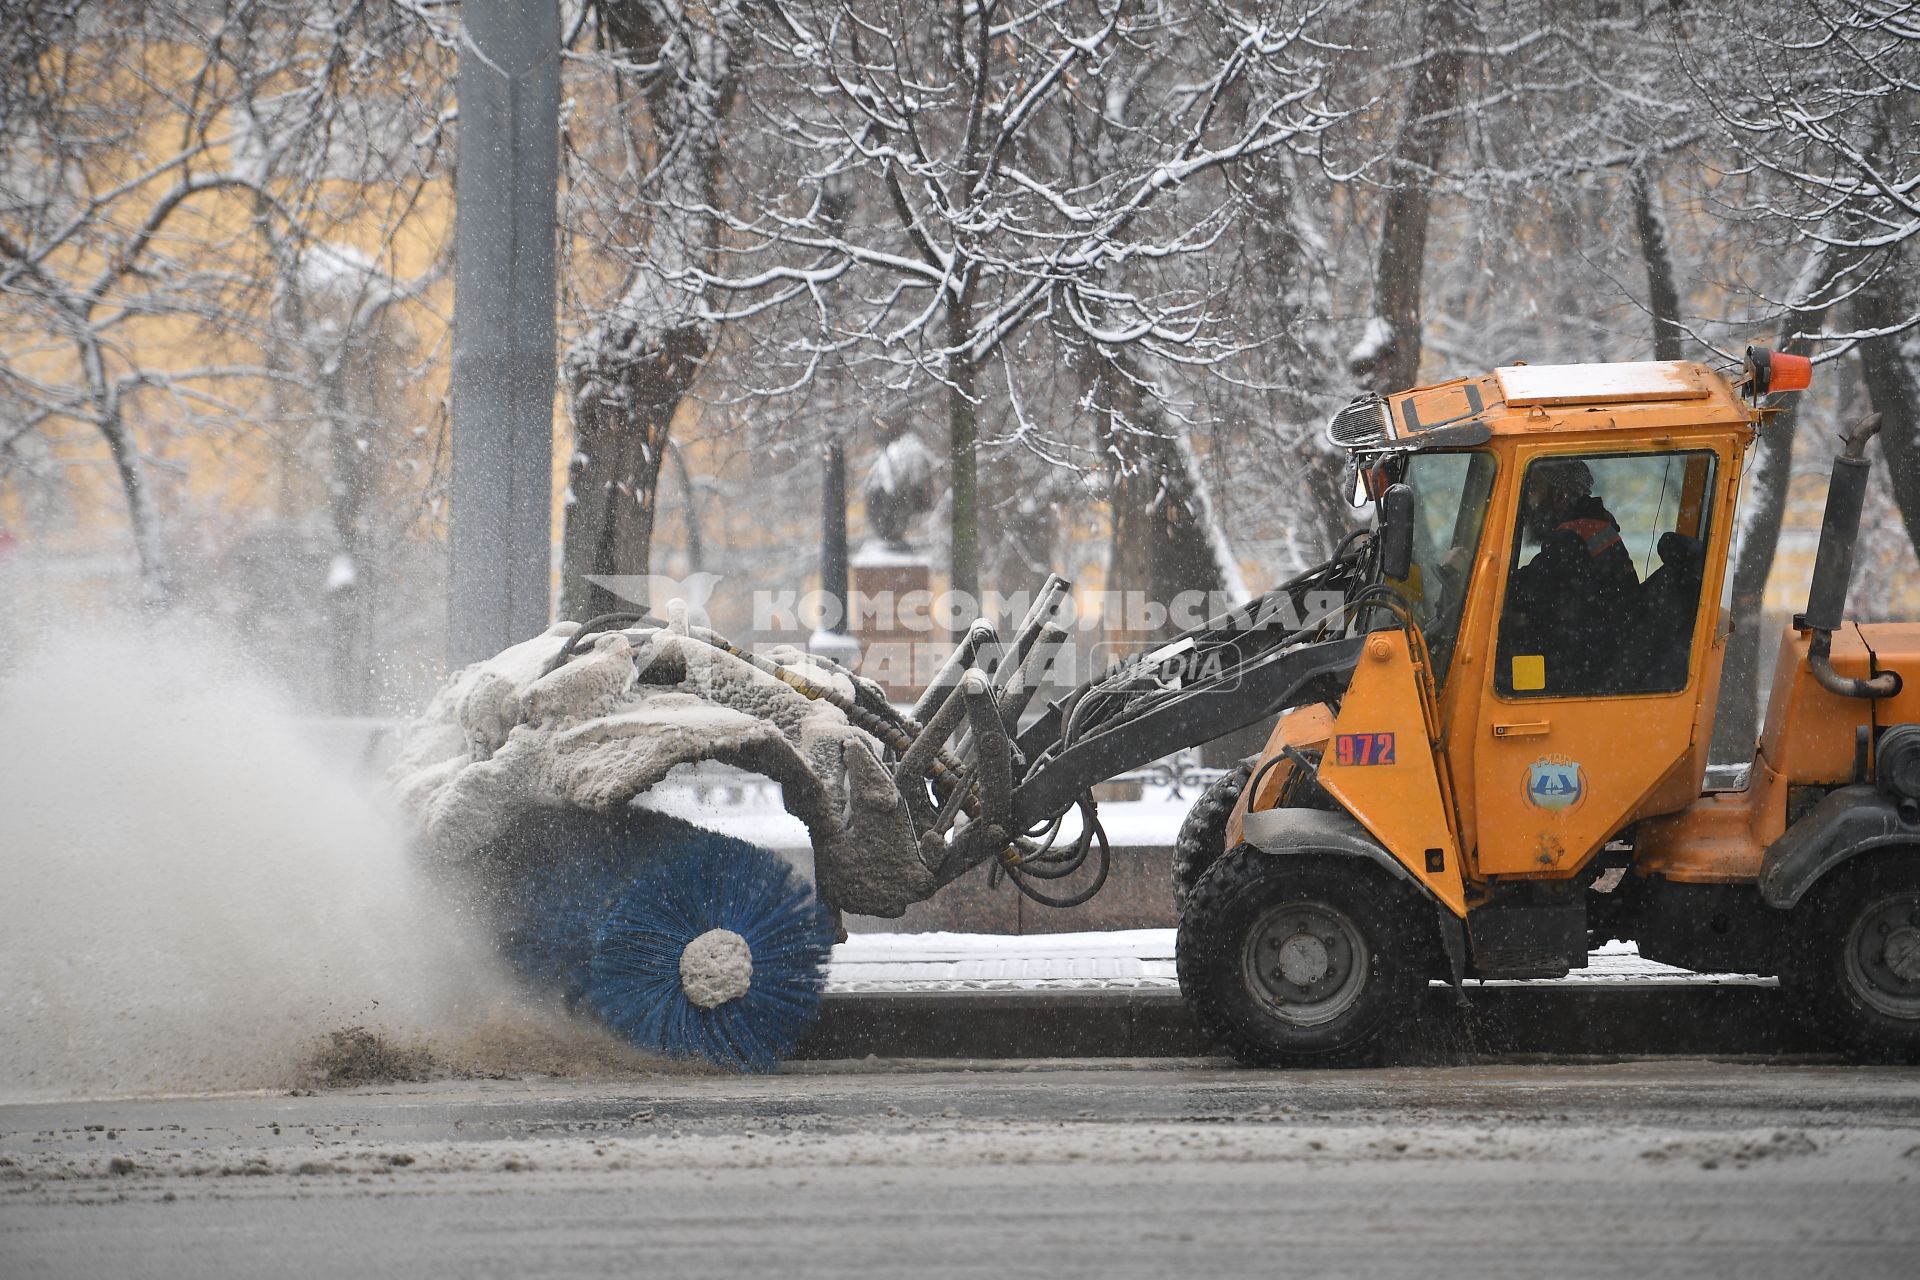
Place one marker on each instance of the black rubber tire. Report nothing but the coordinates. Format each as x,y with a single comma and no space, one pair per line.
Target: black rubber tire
1203,833
1231,917
1872,1018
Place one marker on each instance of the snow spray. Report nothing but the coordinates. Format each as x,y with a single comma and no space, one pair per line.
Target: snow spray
193,894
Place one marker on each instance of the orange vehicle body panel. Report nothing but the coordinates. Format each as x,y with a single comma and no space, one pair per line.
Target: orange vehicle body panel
1809,740
1384,766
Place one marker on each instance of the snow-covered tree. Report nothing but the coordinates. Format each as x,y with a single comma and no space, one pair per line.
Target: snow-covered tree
1034,186
170,169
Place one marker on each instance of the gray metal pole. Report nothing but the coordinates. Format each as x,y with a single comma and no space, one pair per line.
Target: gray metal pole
501,521
833,534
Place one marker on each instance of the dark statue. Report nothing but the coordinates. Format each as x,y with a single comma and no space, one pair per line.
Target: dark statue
900,486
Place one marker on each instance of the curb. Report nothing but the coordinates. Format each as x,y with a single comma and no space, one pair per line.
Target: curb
1603,1019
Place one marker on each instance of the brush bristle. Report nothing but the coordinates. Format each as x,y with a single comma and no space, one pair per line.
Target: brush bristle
560,870
712,882
555,913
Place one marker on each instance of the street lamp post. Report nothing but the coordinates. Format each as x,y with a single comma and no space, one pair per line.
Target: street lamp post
500,532
833,640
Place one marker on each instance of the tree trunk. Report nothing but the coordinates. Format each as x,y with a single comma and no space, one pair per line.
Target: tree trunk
1893,387
347,597
622,413
1663,294
628,375
1388,358
963,477
142,519
1161,545
1320,509
1167,558
696,539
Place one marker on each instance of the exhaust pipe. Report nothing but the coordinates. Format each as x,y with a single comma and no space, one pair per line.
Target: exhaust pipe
1833,569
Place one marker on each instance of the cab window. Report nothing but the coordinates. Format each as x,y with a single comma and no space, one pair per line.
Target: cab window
1451,494
1609,553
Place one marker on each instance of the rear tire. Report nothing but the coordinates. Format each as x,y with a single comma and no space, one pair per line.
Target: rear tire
1203,834
1854,961
1297,959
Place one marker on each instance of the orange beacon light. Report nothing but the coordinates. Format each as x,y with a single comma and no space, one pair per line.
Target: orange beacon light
1771,371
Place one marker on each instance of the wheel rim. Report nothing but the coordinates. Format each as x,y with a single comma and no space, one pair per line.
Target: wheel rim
1306,962
1883,956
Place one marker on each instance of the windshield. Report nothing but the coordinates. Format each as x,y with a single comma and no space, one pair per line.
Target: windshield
1450,495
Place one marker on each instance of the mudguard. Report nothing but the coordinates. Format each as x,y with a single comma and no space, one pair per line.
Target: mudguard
1285,831
1849,821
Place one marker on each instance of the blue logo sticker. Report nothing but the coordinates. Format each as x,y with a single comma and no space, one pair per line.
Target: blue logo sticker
1555,783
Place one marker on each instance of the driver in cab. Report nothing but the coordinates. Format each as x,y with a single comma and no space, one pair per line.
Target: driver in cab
1570,606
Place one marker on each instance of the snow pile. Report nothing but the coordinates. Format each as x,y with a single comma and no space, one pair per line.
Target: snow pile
1599,383
1133,959
506,734
192,895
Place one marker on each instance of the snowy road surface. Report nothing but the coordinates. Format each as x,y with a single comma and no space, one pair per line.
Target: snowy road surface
1113,1170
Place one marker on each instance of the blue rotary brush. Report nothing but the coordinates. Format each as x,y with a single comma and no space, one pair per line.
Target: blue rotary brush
683,941
715,949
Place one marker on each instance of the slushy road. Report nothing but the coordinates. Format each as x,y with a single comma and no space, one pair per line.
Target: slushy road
1119,1169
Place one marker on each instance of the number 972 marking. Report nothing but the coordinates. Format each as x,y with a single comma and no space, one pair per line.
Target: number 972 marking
1363,748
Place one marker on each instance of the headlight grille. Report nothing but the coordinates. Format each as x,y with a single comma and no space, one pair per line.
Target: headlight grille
1363,422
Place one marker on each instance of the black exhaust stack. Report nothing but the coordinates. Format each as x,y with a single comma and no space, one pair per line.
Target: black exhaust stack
1833,568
